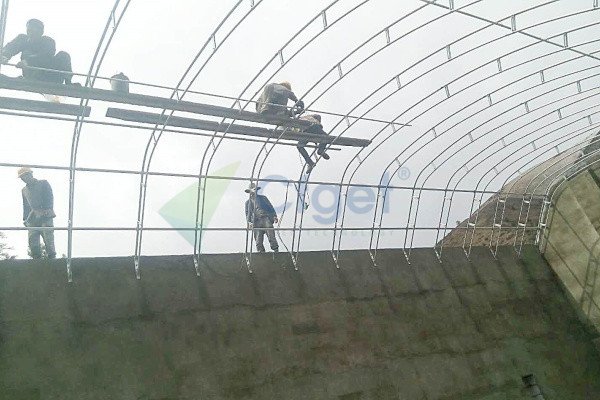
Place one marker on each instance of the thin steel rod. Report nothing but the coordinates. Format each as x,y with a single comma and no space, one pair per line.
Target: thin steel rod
95,64
142,127
518,31
216,229
3,19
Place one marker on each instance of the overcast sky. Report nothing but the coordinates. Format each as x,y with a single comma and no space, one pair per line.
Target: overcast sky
158,39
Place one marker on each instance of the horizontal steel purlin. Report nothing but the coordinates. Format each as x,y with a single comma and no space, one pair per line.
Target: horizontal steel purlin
214,229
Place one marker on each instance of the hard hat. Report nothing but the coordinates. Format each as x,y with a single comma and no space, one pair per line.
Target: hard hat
252,188
286,84
24,170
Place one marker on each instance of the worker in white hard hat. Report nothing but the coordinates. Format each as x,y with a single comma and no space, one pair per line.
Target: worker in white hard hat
274,100
261,216
38,212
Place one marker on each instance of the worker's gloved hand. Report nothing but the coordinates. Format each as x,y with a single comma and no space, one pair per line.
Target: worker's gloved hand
22,64
299,105
250,225
275,220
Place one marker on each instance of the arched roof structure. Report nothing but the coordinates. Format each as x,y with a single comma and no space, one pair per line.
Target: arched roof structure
457,100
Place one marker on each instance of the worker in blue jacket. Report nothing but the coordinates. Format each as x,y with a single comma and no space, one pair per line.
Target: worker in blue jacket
261,216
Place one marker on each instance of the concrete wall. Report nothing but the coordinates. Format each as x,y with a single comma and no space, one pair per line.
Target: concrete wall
571,244
458,330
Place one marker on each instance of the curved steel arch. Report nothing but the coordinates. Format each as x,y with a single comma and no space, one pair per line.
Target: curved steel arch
266,150
433,93
343,75
561,140
490,119
428,131
497,141
200,209
554,186
552,189
90,80
553,144
153,141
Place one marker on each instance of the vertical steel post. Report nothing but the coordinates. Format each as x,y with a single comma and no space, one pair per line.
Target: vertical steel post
3,19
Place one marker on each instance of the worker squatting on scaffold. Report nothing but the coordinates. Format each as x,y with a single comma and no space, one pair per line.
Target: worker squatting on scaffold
39,51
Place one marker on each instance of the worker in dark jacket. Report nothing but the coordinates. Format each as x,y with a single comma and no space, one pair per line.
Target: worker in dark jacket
38,212
317,129
274,99
261,216
39,51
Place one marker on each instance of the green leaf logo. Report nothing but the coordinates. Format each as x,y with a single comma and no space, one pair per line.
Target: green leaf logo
180,211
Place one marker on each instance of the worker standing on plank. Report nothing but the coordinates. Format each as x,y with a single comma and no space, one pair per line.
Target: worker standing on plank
38,212
317,129
274,99
39,51
261,216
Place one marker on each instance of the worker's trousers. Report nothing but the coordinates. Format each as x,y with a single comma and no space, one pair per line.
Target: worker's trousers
48,236
316,130
260,223
61,61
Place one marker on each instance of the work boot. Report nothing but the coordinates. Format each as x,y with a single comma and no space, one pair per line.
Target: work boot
325,155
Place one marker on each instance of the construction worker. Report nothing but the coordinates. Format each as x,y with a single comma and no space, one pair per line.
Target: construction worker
274,99
39,51
261,216
317,129
38,212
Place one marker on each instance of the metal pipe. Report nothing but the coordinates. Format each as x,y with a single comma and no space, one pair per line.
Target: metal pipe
3,19
95,64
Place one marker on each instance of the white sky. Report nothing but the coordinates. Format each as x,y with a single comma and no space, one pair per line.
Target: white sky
157,40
